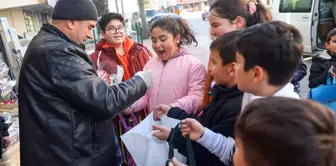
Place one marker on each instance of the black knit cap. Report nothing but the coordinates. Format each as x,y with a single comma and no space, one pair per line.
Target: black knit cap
75,10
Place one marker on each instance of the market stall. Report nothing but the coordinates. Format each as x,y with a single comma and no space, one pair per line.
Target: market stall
10,61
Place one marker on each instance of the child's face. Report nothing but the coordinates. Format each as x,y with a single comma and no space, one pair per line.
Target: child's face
239,156
220,26
251,80
223,74
164,43
331,46
114,32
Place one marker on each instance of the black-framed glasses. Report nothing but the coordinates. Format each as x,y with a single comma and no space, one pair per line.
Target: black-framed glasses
116,29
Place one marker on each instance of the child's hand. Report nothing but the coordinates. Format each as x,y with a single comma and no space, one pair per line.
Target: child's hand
6,141
161,110
127,111
162,133
193,128
331,72
176,163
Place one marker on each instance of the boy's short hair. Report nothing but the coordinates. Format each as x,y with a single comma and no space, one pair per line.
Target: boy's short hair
103,22
330,35
294,129
226,47
275,46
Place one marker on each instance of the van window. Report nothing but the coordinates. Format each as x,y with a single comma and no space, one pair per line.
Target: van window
295,6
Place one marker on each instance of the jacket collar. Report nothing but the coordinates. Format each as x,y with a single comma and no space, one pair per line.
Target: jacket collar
55,31
181,52
103,46
219,92
285,91
325,55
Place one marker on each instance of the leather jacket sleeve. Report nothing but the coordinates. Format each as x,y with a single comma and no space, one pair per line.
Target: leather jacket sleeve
76,80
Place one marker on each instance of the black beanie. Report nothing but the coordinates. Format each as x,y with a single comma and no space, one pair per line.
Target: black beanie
75,10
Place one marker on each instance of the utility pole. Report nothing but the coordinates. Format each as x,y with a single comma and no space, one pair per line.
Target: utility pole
122,8
117,6
145,31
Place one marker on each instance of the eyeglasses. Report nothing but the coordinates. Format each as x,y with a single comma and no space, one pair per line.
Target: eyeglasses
115,30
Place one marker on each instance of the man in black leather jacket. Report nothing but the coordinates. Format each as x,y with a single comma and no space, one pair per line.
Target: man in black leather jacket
64,108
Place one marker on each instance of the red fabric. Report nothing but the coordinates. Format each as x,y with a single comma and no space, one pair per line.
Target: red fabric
136,59
128,43
138,56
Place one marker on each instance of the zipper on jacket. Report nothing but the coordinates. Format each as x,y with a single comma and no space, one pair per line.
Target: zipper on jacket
158,93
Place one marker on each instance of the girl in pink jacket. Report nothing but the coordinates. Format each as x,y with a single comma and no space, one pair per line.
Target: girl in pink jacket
179,77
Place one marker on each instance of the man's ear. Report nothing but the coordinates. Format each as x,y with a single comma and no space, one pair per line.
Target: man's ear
70,24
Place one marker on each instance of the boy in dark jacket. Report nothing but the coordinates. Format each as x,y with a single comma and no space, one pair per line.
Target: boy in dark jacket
323,65
299,74
219,115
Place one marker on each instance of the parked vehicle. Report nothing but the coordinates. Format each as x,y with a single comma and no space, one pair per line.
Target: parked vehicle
314,19
137,19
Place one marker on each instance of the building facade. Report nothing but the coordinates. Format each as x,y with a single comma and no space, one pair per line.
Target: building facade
267,3
27,15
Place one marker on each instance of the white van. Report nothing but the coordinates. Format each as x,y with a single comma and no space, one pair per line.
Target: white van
314,19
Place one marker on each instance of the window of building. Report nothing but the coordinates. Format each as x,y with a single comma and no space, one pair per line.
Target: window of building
29,21
295,6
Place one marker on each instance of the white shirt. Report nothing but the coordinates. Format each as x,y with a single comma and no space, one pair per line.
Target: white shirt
222,146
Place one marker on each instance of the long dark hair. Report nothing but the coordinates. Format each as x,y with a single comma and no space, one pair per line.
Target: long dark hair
176,26
231,9
260,16
279,131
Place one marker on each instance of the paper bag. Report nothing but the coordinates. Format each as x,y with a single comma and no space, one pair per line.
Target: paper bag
146,149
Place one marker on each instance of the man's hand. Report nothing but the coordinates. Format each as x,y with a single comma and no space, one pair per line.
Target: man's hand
161,110
162,132
193,128
176,163
331,72
147,76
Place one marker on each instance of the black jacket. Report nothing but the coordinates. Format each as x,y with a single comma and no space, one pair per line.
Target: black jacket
219,116
319,69
64,108
299,74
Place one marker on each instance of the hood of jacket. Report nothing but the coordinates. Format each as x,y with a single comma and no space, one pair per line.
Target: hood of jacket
325,55
181,52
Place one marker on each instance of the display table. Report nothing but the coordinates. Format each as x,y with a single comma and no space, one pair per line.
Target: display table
11,155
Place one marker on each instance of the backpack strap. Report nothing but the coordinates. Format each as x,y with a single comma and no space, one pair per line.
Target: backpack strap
191,155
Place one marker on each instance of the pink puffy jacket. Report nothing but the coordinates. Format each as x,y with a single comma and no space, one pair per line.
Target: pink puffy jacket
178,83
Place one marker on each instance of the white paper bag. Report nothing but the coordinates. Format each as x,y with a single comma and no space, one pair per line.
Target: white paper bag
146,149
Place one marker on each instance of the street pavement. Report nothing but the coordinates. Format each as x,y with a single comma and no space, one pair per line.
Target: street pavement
201,30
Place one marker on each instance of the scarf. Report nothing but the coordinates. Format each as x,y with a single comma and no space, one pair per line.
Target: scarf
123,59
